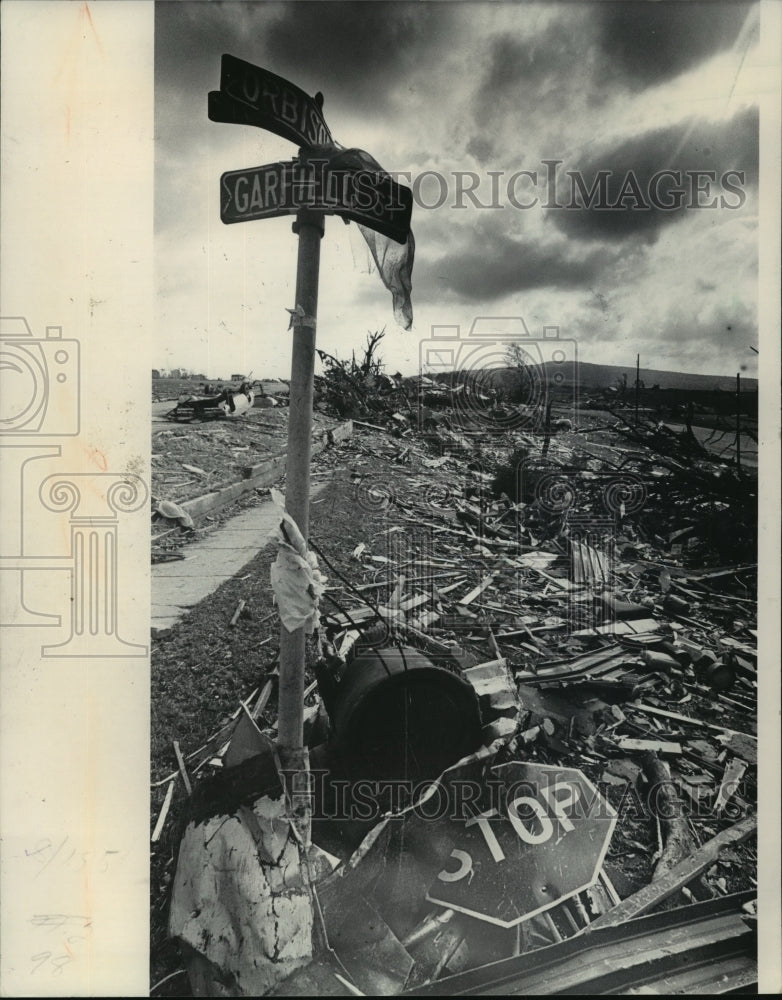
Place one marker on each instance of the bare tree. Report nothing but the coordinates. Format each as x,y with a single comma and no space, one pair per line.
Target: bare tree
524,384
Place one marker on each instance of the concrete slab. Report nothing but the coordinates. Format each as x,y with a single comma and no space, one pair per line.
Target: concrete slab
163,622
179,586
186,591
165,610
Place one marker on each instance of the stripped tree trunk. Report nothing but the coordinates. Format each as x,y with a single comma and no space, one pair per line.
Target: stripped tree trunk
667,806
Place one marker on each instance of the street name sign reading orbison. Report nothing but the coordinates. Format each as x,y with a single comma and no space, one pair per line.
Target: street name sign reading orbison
249,95
373,199
539,838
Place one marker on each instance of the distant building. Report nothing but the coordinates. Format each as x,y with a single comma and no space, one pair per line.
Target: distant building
237,378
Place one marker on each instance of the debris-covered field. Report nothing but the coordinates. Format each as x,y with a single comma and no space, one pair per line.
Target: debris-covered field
189,460
609,568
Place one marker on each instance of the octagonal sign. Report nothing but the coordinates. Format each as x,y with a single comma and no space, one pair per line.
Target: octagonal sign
538,834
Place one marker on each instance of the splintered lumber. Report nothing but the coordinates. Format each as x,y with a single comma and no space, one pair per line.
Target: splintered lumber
560,582
734,772
588,565
207,749
652,746
678,876
591,663
354,617
686,718
667,806
182,768
372,427
477,591
428,641
239,609
163,813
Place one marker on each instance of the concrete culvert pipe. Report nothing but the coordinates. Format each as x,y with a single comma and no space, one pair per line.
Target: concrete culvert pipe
398,716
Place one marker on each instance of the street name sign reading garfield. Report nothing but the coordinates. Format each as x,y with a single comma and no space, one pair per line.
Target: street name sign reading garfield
367,197
324,179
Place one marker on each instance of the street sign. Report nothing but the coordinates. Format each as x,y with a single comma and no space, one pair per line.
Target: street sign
364,196
539,835
250,95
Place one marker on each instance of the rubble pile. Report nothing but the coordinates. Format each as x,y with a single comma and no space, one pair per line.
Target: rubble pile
666,652
605,616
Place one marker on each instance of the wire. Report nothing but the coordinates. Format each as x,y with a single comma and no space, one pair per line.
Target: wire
348,584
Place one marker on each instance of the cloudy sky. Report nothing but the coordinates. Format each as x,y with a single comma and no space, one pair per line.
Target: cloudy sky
474,94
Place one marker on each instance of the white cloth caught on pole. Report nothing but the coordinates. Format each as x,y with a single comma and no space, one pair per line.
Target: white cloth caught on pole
296,580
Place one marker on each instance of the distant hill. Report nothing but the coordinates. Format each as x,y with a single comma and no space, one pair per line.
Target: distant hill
593,377
602,376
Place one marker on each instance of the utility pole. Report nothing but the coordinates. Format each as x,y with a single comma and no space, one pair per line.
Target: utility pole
637,384
738,420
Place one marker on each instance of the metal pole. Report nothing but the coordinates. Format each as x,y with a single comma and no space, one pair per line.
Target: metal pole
637,384
290,729
738,419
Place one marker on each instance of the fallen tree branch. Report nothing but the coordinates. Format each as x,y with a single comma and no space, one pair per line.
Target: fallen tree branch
678,876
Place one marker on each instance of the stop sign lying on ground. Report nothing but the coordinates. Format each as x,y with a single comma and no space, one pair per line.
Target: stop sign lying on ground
538,835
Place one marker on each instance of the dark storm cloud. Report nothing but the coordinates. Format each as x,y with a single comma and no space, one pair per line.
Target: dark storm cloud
635,168
644,43
481,148
490,264
513,60
362,49
190,37
530,73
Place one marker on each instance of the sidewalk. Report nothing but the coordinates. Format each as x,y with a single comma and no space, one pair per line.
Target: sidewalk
179,586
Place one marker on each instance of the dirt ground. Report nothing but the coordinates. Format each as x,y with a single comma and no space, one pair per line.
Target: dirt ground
203,668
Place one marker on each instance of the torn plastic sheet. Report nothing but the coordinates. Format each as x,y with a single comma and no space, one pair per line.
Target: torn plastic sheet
394,261
245,907
296,580
395,266
241,899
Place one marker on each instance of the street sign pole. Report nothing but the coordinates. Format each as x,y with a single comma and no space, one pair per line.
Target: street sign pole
250,95
290,727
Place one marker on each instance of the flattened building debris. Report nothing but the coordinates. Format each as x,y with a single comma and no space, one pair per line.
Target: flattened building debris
571,630
580,665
